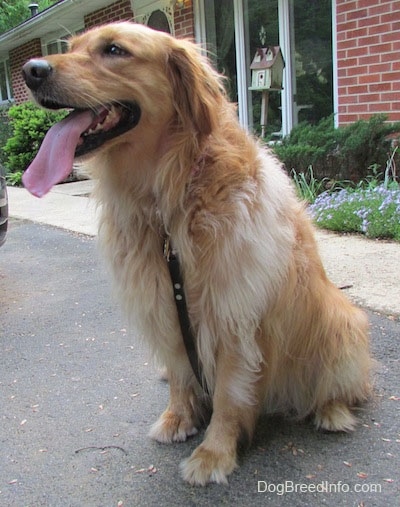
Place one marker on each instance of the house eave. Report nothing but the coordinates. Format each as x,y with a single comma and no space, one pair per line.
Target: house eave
63,16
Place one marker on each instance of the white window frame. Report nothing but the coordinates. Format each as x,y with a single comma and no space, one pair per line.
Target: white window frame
335,66
285,38
57,37
288,92
6,100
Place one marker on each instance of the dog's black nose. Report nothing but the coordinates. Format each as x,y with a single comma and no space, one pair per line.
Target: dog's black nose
35,72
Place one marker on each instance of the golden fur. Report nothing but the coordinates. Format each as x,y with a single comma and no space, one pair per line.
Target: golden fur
271,330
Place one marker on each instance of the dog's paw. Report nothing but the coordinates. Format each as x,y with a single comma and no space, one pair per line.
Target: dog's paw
335,416
172,427
206,465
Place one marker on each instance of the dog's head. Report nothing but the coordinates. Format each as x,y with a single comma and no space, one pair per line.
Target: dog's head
117,78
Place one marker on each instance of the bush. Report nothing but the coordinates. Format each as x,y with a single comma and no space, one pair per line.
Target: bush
5,130
345,153
29,125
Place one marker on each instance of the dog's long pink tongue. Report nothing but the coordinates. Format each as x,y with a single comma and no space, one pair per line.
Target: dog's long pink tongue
53,163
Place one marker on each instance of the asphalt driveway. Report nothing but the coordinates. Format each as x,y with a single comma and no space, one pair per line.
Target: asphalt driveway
78,394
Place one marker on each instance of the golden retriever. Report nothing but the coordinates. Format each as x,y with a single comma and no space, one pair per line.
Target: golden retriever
170,160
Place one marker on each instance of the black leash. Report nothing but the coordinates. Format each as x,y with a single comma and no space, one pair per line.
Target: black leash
184,322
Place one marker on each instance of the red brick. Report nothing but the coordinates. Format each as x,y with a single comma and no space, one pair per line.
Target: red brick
358,14
369,97
368,21
370,40
358,33
361,4
375,30
346,43
120,10
356,90
345,6
381,87
396,65
348,81
389,38
348,25
359,51
391,76
381,48
18,56
353,71
386,19
388,57
348,99
379,8
381,68
396,86
369,78
348,118
389,96
369,60
380,107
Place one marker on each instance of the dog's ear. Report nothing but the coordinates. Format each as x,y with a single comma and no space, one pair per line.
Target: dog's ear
197,89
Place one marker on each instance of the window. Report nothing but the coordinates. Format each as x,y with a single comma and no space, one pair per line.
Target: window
262,30
234,29
158,14
312,49
159,21
6,93
220,35
57,46
57,43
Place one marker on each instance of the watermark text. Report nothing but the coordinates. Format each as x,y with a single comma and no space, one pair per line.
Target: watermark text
289,487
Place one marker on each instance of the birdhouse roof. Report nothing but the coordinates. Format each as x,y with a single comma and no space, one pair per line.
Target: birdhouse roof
261,61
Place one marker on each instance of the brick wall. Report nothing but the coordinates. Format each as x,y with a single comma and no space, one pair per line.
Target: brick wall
368,59
118,11
184,21
18,56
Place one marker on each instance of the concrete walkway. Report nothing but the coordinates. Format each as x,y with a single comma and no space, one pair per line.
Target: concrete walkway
369,269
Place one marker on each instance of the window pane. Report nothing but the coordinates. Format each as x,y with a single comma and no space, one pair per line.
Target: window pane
52,48
10,95
220,30
63,46
262,30
3,82
313,57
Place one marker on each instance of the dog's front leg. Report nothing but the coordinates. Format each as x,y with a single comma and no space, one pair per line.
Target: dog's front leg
181,417
233,417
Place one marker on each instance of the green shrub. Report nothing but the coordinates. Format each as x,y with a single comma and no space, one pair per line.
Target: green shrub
364,145
308,145
29,125
345,153
5,131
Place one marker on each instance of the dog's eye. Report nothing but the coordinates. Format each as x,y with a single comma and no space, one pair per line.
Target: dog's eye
114,50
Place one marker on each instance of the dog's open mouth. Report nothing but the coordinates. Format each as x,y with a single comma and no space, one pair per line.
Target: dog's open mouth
81,132
109,121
